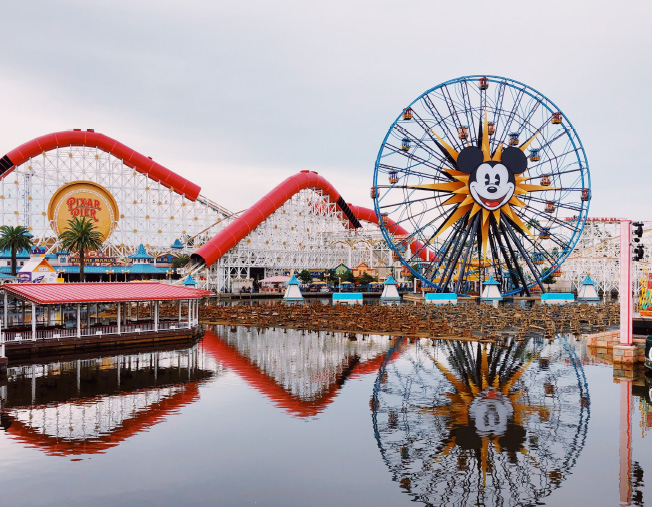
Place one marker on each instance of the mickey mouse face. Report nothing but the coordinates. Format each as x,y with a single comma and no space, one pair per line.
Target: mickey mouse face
492,186
491,182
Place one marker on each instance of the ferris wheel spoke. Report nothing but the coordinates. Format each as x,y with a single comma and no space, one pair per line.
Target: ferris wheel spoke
412,156
526,257
548,143
510,117
447,158
467,254
438,118
458,251
529,220
451,108
555,158
432,236
395,204
440,157
495,258
558,173
559,205
468,110
514,259
525,121
545,255
452,242
508,256
499,102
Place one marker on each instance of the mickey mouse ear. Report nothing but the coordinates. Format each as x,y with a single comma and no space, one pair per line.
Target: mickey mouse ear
469,159
514,159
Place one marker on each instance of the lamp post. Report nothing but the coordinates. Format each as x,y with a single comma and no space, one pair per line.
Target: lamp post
339,278
110,272
124,272
168,272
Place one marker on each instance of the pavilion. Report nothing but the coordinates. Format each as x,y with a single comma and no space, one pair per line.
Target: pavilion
64,311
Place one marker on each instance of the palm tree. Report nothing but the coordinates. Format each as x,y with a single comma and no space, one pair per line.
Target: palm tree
15,239
81,235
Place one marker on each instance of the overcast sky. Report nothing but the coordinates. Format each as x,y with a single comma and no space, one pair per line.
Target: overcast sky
236,96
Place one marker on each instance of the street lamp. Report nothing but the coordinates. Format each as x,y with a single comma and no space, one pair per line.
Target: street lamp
168,273
340,282
124,272
110,272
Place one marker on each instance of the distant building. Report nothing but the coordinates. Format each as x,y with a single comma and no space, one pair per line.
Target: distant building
37,270
362,268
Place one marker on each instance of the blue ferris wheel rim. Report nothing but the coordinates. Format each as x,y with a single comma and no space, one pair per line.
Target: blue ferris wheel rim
572,136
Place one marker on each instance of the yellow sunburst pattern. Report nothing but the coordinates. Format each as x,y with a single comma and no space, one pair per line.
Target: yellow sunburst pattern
465,205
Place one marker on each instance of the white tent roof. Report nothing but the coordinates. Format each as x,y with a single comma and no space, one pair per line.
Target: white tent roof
275,279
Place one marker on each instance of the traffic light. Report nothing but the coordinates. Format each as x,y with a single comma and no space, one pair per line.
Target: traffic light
639,249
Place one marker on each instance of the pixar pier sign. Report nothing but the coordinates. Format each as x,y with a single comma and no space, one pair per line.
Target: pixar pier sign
83,199
80,207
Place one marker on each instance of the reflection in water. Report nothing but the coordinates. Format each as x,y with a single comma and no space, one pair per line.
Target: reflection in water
300,371
467,423
86,406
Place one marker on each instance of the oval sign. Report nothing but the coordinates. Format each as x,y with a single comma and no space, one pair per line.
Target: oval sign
83,199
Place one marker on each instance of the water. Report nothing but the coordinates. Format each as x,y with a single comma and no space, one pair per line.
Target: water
277,417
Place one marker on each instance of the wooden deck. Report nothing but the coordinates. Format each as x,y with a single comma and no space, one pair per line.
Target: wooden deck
59,346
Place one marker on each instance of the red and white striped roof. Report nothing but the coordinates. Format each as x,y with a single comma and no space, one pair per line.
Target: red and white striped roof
58,293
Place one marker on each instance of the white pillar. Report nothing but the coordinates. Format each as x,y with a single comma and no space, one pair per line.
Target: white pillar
118,317
33,384
33,322
179,310
625,289
2,341
5,321
78,320
156,316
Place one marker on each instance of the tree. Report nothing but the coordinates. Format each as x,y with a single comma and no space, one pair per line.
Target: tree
15,239
305,276
549,280
81,235
366,279
180,261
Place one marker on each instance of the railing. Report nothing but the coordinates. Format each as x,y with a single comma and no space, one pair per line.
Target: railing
57,334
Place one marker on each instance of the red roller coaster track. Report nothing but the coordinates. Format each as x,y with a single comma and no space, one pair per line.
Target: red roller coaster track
77,137
237,230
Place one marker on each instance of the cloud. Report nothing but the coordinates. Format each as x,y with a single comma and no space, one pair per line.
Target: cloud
263,89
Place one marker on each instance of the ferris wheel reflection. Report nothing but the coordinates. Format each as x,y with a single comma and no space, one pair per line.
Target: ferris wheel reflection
466,422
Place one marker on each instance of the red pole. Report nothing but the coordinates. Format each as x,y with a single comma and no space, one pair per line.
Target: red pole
625,451
625,289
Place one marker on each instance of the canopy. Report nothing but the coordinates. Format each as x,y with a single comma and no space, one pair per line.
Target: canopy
58,293
275,279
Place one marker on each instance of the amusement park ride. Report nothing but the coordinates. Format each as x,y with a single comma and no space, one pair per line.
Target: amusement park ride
475,178
483,171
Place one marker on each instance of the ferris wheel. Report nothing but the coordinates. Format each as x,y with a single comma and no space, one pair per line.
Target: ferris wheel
491,179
